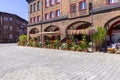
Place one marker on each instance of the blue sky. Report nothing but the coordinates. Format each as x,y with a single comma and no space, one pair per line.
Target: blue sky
18,7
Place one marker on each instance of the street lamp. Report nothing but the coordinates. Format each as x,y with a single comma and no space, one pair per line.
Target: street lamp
91,14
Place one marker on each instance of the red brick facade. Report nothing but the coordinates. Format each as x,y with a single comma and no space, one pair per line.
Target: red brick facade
11,26
105,14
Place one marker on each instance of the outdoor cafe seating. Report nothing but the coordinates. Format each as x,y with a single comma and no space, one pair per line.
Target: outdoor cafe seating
114,48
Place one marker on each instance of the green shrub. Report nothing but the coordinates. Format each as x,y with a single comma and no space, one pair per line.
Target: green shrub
74,47
22,40
84,43
55,43
30,42
79,48
47,42
35,44
64,46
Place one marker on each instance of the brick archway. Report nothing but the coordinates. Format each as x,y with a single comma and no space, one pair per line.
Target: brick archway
34,31
52,28
110,25
55,32
78,25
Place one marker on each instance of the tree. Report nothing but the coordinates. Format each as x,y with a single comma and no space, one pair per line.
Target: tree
99,37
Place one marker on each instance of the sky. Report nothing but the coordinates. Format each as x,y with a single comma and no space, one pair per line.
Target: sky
18,7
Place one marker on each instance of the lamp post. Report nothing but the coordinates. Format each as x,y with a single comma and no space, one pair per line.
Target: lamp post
91,14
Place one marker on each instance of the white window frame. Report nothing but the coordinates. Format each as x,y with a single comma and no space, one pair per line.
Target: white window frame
58,13
46,3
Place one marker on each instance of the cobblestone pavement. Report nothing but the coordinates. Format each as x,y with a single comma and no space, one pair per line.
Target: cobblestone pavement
24,63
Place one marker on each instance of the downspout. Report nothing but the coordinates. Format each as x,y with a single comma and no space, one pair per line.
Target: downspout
42,21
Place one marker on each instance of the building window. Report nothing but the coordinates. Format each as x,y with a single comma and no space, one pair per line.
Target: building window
82,5
57,1
10,36
30,8
10,19
34,7
46,16
52,2
58,13
112,1
34,19
38,5
5,27
46,3
38,18
11,28
52,15
30,20
21,31
24,24
21,26
5,18
73,8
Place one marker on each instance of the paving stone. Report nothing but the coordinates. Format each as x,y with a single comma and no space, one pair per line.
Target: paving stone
26,63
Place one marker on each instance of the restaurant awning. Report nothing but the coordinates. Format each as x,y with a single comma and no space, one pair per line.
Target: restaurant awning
49,34
86,31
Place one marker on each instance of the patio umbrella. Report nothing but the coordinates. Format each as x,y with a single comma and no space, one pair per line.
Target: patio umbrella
50,34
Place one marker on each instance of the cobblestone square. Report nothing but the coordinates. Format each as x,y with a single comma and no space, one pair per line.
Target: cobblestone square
25,63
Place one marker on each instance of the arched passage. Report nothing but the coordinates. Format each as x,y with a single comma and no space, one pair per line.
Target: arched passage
113,30
81,25
34,33
52,33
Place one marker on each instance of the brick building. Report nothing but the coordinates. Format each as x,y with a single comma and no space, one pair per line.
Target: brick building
11,26
64,15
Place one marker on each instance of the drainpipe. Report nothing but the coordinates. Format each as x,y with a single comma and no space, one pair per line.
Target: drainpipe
91,14
42,21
